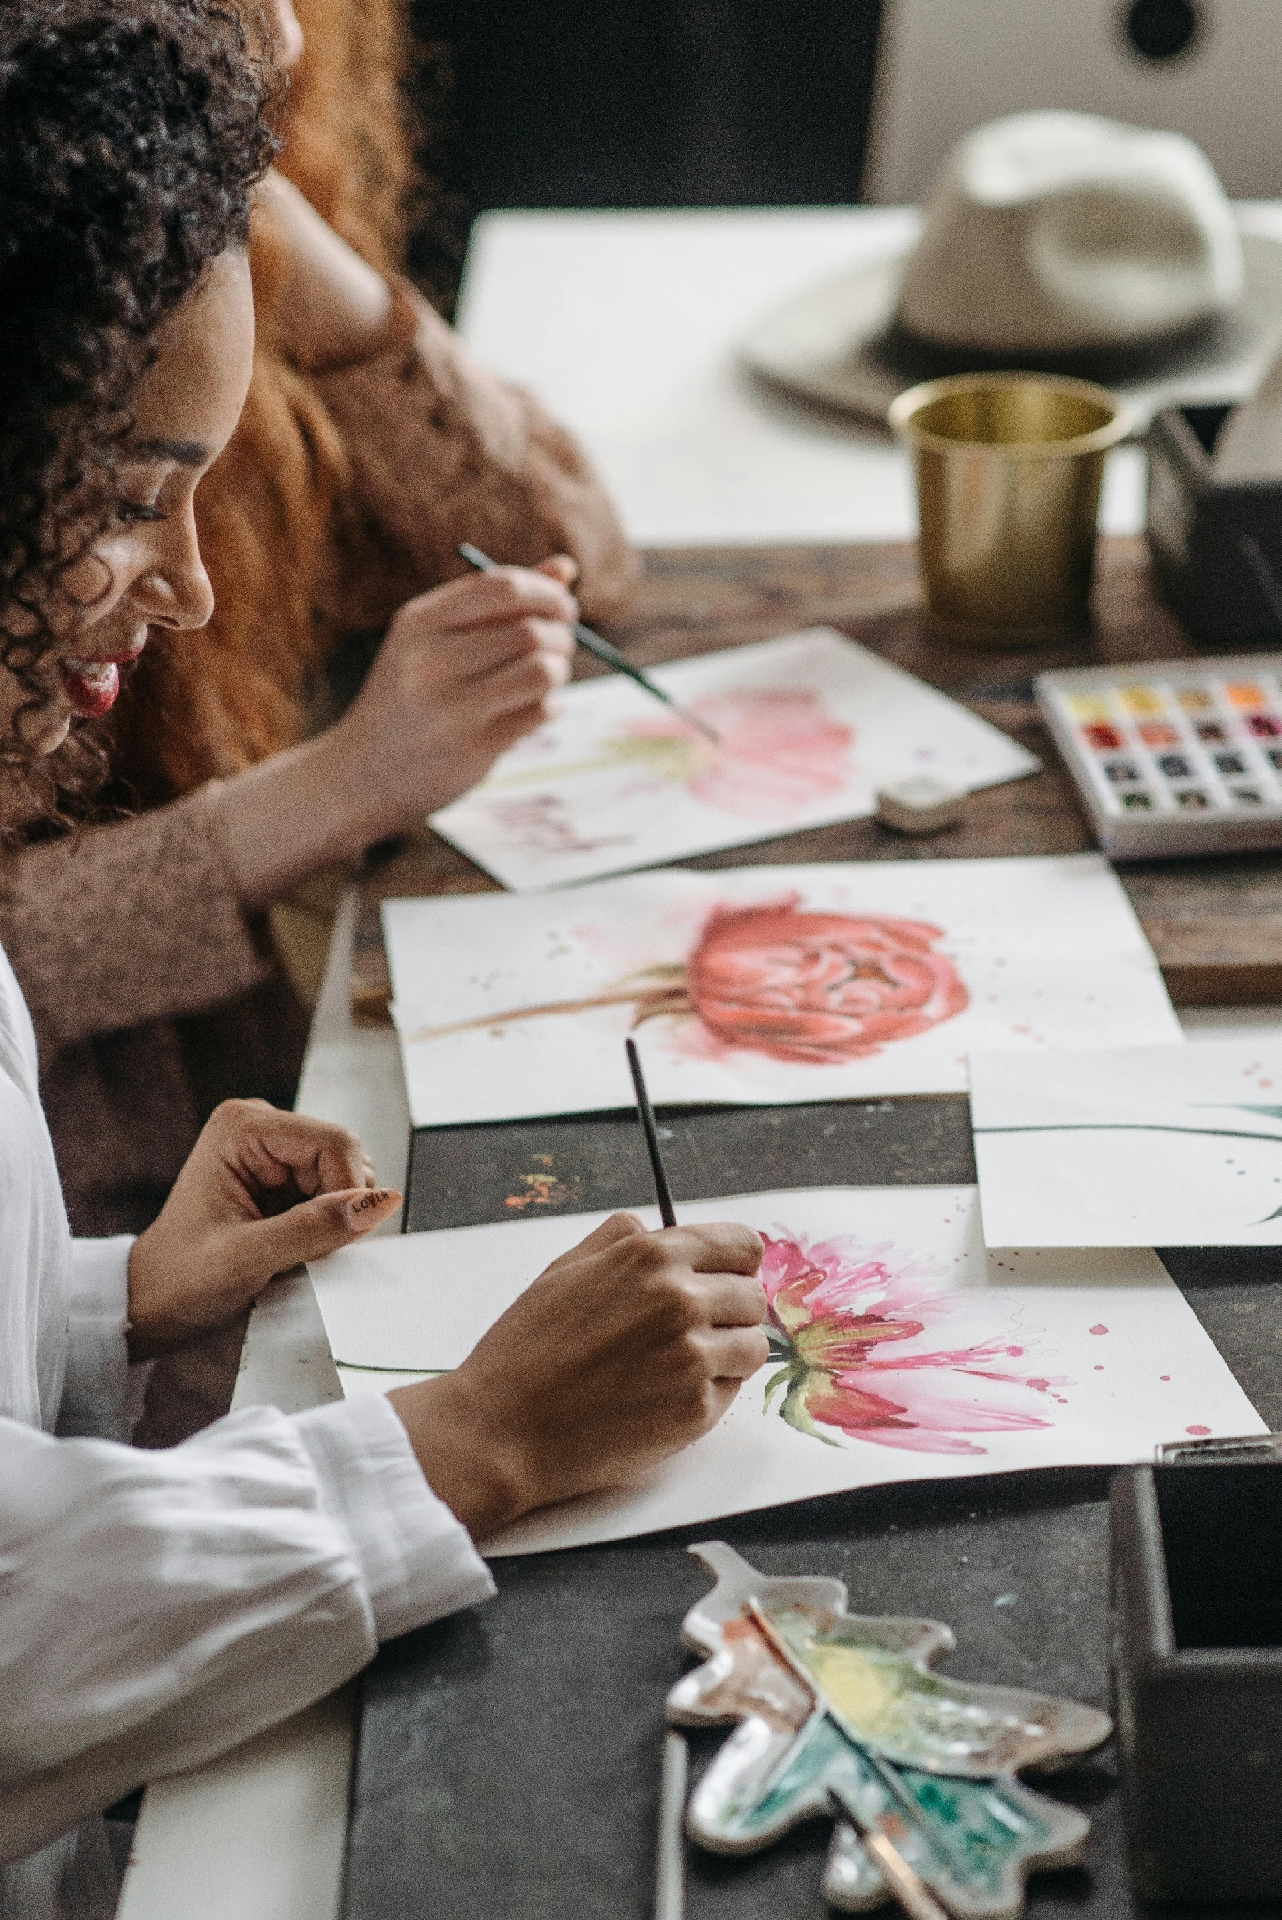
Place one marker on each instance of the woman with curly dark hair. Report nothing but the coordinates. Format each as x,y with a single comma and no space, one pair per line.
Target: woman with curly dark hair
371,443
158,1607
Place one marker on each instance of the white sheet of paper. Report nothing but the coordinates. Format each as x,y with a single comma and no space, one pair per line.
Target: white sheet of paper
1132,1146
996,1362
810,726
832,982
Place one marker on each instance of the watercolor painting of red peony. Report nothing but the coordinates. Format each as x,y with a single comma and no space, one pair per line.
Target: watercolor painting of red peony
808,727
818,988
761,984
900,1350
814,989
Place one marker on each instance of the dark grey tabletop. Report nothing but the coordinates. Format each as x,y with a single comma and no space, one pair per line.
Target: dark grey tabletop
508,1758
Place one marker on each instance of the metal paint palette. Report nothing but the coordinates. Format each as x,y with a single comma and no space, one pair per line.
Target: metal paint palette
1179,757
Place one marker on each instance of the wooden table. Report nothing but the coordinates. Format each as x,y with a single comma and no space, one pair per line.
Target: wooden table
1215,923
507,1759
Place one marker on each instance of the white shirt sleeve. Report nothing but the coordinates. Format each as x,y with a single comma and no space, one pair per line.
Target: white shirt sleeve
161,1607
417,1562
96,1396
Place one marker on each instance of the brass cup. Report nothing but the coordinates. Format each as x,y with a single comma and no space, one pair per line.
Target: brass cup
1008,478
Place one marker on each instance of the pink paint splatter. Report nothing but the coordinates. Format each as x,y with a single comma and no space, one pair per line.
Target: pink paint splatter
1099,1327
843,1322
1200,1431
779,753
1163,1376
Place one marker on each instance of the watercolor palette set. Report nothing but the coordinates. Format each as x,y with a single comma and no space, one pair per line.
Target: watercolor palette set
1179,757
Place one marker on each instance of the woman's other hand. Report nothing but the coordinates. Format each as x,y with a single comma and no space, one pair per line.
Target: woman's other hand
261,1191
625,1350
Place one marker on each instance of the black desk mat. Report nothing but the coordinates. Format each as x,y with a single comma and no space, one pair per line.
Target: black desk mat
507,1766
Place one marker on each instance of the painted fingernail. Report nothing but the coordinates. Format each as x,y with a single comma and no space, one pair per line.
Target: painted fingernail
361,1211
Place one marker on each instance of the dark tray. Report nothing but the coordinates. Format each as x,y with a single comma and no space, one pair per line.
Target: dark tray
507,1766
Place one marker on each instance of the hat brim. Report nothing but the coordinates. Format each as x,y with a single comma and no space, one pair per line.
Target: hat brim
830,345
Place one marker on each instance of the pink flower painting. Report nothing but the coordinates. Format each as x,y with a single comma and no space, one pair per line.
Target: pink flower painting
851,1333
779,751
819,988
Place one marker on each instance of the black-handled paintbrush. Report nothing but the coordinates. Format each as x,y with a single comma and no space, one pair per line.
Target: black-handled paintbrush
645,1113
603,651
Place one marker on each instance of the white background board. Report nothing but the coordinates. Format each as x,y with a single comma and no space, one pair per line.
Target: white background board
627,326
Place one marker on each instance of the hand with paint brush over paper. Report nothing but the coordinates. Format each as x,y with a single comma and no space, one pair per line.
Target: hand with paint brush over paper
464,672
623,1351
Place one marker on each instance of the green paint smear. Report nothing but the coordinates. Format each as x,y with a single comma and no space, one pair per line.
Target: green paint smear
665,756
968,1833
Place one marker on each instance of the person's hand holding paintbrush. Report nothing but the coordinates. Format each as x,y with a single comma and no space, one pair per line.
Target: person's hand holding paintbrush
623,1351
607,654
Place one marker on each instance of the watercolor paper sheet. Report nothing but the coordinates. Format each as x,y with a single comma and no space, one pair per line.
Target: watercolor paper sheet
810,726
1132,1146
762,985
900,1351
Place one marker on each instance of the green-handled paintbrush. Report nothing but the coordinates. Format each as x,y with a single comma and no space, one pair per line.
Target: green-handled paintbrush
604,652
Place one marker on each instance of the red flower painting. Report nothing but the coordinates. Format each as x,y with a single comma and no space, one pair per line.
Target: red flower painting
819,988
847,1327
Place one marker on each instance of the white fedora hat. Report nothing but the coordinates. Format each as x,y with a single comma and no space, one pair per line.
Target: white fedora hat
1056,241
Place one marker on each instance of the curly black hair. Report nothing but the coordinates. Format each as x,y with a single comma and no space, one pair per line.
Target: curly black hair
131,135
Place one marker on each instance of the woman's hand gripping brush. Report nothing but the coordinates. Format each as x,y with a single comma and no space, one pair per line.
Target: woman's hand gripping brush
625,1350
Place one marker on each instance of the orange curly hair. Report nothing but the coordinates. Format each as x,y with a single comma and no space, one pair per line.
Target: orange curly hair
268,512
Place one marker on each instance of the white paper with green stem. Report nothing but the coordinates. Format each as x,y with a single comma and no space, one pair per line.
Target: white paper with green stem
1132,1146
809,727
900,1351
762,985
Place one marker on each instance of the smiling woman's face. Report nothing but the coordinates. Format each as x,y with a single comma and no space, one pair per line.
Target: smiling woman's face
147,573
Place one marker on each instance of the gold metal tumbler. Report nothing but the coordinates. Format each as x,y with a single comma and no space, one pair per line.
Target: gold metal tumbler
1008,479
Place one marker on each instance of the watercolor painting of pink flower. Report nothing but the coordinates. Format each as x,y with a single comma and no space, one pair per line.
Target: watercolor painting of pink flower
779,751
815,989
844,1325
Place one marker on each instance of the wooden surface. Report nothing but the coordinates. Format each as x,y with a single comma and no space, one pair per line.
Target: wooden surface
1215,924
508,1757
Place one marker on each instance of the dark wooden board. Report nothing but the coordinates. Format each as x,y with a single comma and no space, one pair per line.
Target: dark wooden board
507,1766
1215,924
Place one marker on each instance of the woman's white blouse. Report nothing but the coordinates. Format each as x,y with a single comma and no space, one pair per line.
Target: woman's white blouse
157,1608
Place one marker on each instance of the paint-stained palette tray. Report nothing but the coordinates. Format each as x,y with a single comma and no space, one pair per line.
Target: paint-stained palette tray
1177,757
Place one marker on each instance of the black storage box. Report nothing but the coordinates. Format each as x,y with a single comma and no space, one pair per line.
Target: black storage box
1196,1645
1195,527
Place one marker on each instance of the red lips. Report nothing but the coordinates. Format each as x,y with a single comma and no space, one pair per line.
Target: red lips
92,685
